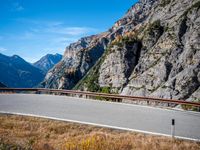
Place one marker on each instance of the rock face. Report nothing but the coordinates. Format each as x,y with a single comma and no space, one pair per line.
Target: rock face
119,63
17,73
47,62
154,50
170,67
79,57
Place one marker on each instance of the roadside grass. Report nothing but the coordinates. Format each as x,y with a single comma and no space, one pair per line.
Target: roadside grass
30,133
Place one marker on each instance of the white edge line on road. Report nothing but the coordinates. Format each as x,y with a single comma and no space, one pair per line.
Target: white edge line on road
99,125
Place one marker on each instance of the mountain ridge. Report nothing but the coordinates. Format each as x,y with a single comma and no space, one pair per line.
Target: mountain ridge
152,51
2,85
16,72
47,62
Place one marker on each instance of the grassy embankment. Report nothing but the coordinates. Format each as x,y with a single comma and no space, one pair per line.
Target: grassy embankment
18,132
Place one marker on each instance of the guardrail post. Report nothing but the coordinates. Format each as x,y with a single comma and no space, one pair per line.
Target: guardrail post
173,128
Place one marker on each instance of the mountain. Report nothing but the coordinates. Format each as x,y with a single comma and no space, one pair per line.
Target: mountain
153,50
16,72
2,85
47,62
79,57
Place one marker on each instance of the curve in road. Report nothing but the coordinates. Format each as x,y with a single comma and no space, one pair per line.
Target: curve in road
106,114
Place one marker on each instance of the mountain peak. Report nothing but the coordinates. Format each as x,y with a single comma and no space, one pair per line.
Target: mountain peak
2,85
17,57
47,62
16,72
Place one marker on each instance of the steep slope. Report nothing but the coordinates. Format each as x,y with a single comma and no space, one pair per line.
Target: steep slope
47,62
2,85
77,60
170,66
158,56
153,50
16,72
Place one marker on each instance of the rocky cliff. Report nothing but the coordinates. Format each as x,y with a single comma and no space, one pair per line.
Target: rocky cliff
154,50
78,58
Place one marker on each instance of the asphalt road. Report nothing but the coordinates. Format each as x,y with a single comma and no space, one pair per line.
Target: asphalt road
106,114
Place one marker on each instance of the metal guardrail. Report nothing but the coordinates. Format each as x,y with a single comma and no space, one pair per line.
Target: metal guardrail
103,95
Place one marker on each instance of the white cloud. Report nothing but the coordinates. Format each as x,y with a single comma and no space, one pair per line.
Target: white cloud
36,22
28,35
56,27
17,7
46,36
2,49
64,40
74,31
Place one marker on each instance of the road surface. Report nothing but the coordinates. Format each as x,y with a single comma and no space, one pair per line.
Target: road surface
106,114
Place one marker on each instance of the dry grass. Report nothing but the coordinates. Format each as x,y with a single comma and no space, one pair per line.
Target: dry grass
43,134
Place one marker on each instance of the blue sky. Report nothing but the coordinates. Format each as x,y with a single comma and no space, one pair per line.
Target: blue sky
33,28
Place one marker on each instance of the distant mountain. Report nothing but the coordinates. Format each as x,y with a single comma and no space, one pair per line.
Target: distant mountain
2,85
16,72
47,62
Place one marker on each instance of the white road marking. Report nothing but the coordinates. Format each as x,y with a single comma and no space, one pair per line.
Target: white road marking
99,125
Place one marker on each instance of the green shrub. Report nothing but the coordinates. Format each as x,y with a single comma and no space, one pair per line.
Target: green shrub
192,108
186,107
155,25
105,90
90,80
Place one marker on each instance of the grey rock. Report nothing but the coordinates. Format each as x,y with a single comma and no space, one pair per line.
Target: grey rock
47,62
78,58
154,50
